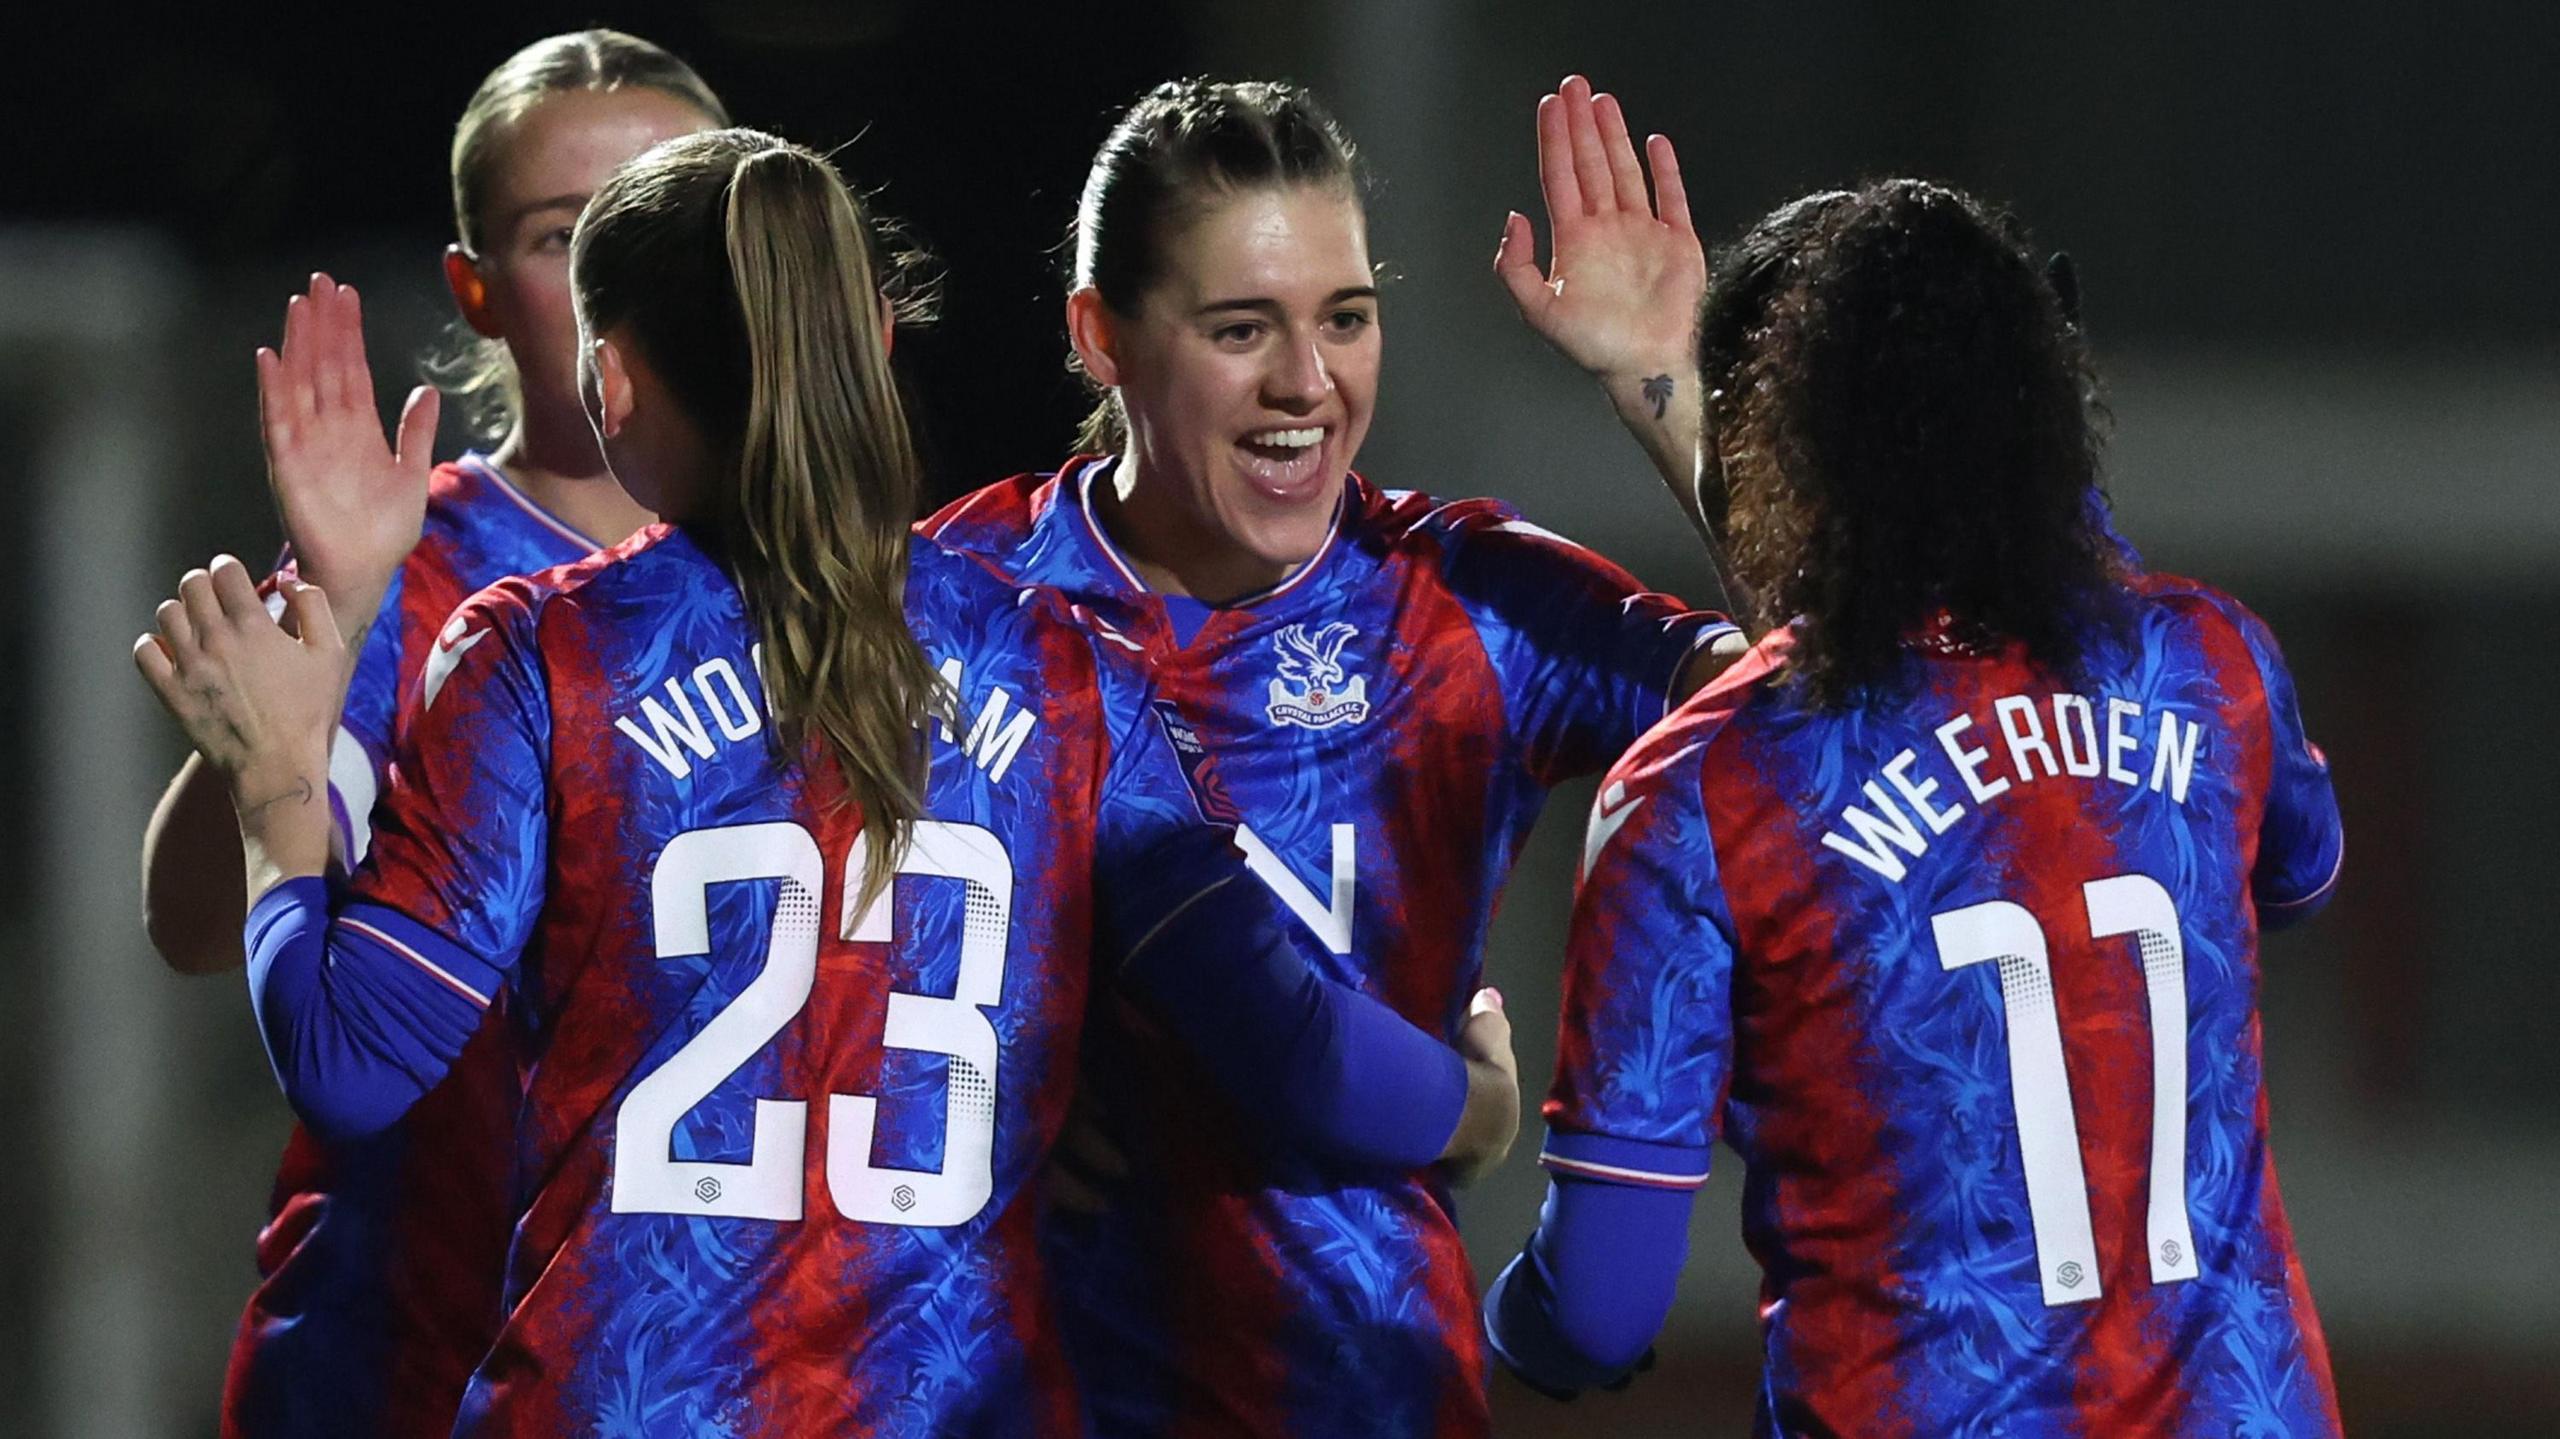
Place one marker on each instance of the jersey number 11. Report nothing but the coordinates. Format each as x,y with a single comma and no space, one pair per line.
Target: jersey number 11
2005,934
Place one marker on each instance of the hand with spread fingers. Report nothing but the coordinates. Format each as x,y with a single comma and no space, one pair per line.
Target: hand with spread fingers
258,697
352,501
1625,276
1625,273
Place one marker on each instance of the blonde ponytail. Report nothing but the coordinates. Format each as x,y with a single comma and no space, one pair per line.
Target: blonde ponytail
828,483
747,273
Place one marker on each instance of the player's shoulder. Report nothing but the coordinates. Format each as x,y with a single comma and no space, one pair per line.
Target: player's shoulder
997,519
1488,539
2195,603
959,600
951,585
458,491
655,559
1715,714
2159,587
1413,519
452,482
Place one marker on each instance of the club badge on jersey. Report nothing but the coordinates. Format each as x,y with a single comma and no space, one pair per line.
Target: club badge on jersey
1314,689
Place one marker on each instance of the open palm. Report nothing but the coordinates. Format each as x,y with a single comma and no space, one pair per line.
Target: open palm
1621,291
352,499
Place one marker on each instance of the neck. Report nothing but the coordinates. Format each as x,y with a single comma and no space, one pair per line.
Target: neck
1167,545
569,479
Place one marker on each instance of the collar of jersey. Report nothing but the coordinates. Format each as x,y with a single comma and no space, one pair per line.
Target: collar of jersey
1081,484
487,469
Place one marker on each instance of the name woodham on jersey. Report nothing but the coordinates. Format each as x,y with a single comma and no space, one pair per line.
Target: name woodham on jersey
2060,735
695,714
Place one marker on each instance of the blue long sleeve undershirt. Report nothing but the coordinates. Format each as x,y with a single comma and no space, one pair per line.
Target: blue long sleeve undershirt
1583,1300
1341,1078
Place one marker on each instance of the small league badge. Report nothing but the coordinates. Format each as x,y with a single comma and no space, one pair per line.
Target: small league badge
1313,690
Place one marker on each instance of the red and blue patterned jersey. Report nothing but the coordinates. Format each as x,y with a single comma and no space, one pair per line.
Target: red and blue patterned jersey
1969,979
776,1154
1386,725
380,1260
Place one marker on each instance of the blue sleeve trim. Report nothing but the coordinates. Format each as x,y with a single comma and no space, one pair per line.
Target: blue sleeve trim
1611,1160
1583,1300
360,1016
449,964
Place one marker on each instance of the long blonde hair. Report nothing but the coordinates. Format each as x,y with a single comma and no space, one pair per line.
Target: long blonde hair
747,274
475,370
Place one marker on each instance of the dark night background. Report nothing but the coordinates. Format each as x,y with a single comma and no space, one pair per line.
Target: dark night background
2314,242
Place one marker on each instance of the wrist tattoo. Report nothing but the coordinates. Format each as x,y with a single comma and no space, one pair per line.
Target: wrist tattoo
1657,393
301,793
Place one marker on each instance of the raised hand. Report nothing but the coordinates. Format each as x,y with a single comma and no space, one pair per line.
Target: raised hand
1624,282
259,699
352,501
1626,274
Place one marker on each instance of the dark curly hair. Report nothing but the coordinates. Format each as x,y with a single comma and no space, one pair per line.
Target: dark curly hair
1906,423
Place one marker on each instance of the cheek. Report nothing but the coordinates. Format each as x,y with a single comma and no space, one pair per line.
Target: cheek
541,321
1355,379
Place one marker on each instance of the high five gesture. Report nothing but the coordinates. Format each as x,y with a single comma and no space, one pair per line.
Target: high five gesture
352,501
1625,274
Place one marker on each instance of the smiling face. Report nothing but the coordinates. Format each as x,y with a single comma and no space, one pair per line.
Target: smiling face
553,157
1247,374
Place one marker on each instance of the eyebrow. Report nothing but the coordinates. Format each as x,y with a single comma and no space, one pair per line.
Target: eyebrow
532,208
1264,305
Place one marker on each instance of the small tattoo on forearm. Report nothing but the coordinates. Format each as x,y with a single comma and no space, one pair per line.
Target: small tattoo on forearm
301,793
1657,393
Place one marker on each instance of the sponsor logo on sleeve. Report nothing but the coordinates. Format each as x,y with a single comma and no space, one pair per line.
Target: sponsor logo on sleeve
451,646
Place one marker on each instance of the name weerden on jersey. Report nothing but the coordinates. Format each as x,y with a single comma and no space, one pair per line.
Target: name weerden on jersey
2077,745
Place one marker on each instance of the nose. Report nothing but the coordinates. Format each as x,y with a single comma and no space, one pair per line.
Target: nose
1297,380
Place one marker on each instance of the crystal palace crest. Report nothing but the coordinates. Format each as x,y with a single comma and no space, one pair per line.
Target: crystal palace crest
1313,690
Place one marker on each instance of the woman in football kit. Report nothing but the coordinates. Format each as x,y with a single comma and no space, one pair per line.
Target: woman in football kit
676,799
380,1264
1390,682
1941,907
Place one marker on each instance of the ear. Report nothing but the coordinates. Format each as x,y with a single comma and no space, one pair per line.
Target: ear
1090,330
470,292
888,328
611,399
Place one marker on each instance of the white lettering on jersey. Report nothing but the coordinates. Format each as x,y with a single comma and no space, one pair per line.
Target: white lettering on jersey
666,730
1890,826
2173,759
1330,922
738,717
1873,832
993,740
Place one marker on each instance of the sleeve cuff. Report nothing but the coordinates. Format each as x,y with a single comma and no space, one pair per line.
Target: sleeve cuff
2311,899
1637,1162
439,958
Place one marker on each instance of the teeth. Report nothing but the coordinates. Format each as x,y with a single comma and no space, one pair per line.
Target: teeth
1287,439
